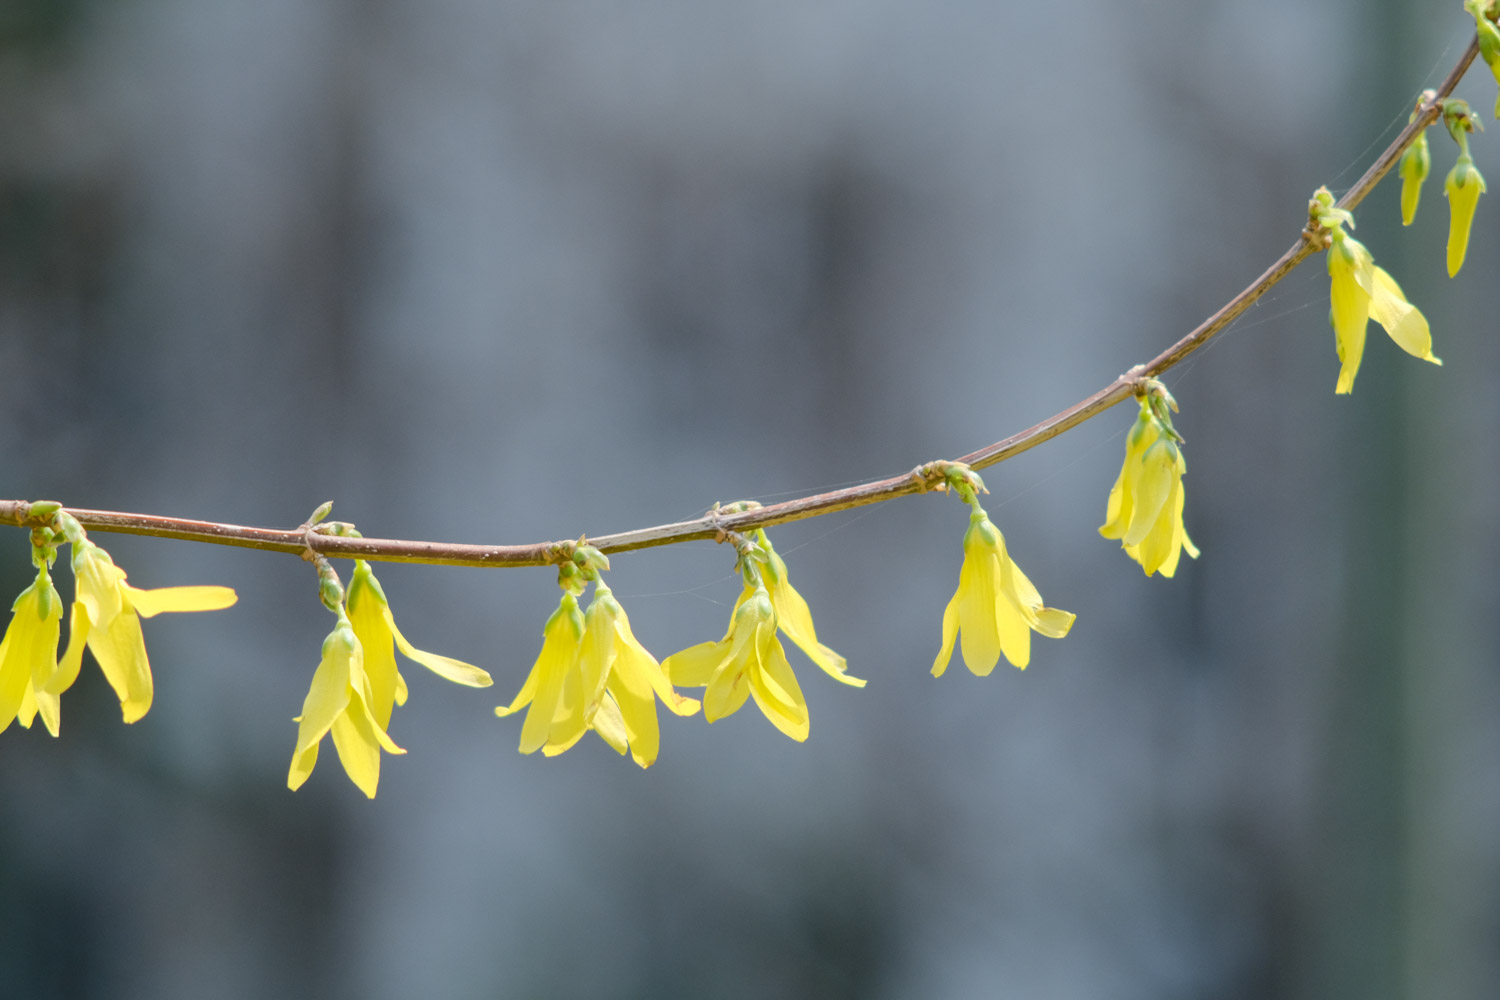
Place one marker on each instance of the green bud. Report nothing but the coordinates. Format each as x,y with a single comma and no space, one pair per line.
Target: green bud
71,530
43,508
44,594
1416,164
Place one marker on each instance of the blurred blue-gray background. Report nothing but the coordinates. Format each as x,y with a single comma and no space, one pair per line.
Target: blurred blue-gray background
496,271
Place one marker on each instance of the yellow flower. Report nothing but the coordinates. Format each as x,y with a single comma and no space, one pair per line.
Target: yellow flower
1145,504
1360,292
114,610
1415,164
616,677
996,608
1462,188
793,616
31,679
553,688
375,628
339,701
748,661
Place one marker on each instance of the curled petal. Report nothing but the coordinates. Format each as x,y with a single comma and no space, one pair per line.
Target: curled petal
445,667
950,635
1402,320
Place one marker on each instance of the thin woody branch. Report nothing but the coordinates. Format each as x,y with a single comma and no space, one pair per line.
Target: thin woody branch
714,525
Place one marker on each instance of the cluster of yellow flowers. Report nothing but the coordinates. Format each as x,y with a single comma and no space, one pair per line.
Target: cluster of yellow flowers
1145,504
105,618
357,685
1360,291
592,673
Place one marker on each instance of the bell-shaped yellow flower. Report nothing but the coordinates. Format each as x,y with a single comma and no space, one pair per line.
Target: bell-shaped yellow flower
1463,187
996,608
614,688
375,627
748,662
31,678
114,610
1360,292
1145,504
1416,163
339,702
792,614
553,688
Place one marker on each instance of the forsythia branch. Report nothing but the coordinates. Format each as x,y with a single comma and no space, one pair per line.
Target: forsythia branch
717,524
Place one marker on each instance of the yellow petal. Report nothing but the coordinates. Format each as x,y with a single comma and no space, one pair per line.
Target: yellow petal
1159,542
596,655
728,688
633,658
568,718
1051,622
15,673
1116,514
1153,489
777,692
1121,506
1015,631
121,653
950,635
637,705
523,697
28,708
1350,295
378,653
445,667
1402,320
303,763
99,582
609,725
358,751
979,635
559,656
795,619
559,639
148,603
327,698
692,667
72,659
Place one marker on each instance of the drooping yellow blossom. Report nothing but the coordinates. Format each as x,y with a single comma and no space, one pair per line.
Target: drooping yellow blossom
375,628
614,688
544,688
1145,504
592,673
340,702
31,678
748,662
792,614
114,610
1416,163
995,608
1463,187
1360,291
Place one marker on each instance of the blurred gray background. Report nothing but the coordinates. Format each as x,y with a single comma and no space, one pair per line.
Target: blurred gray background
497,271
